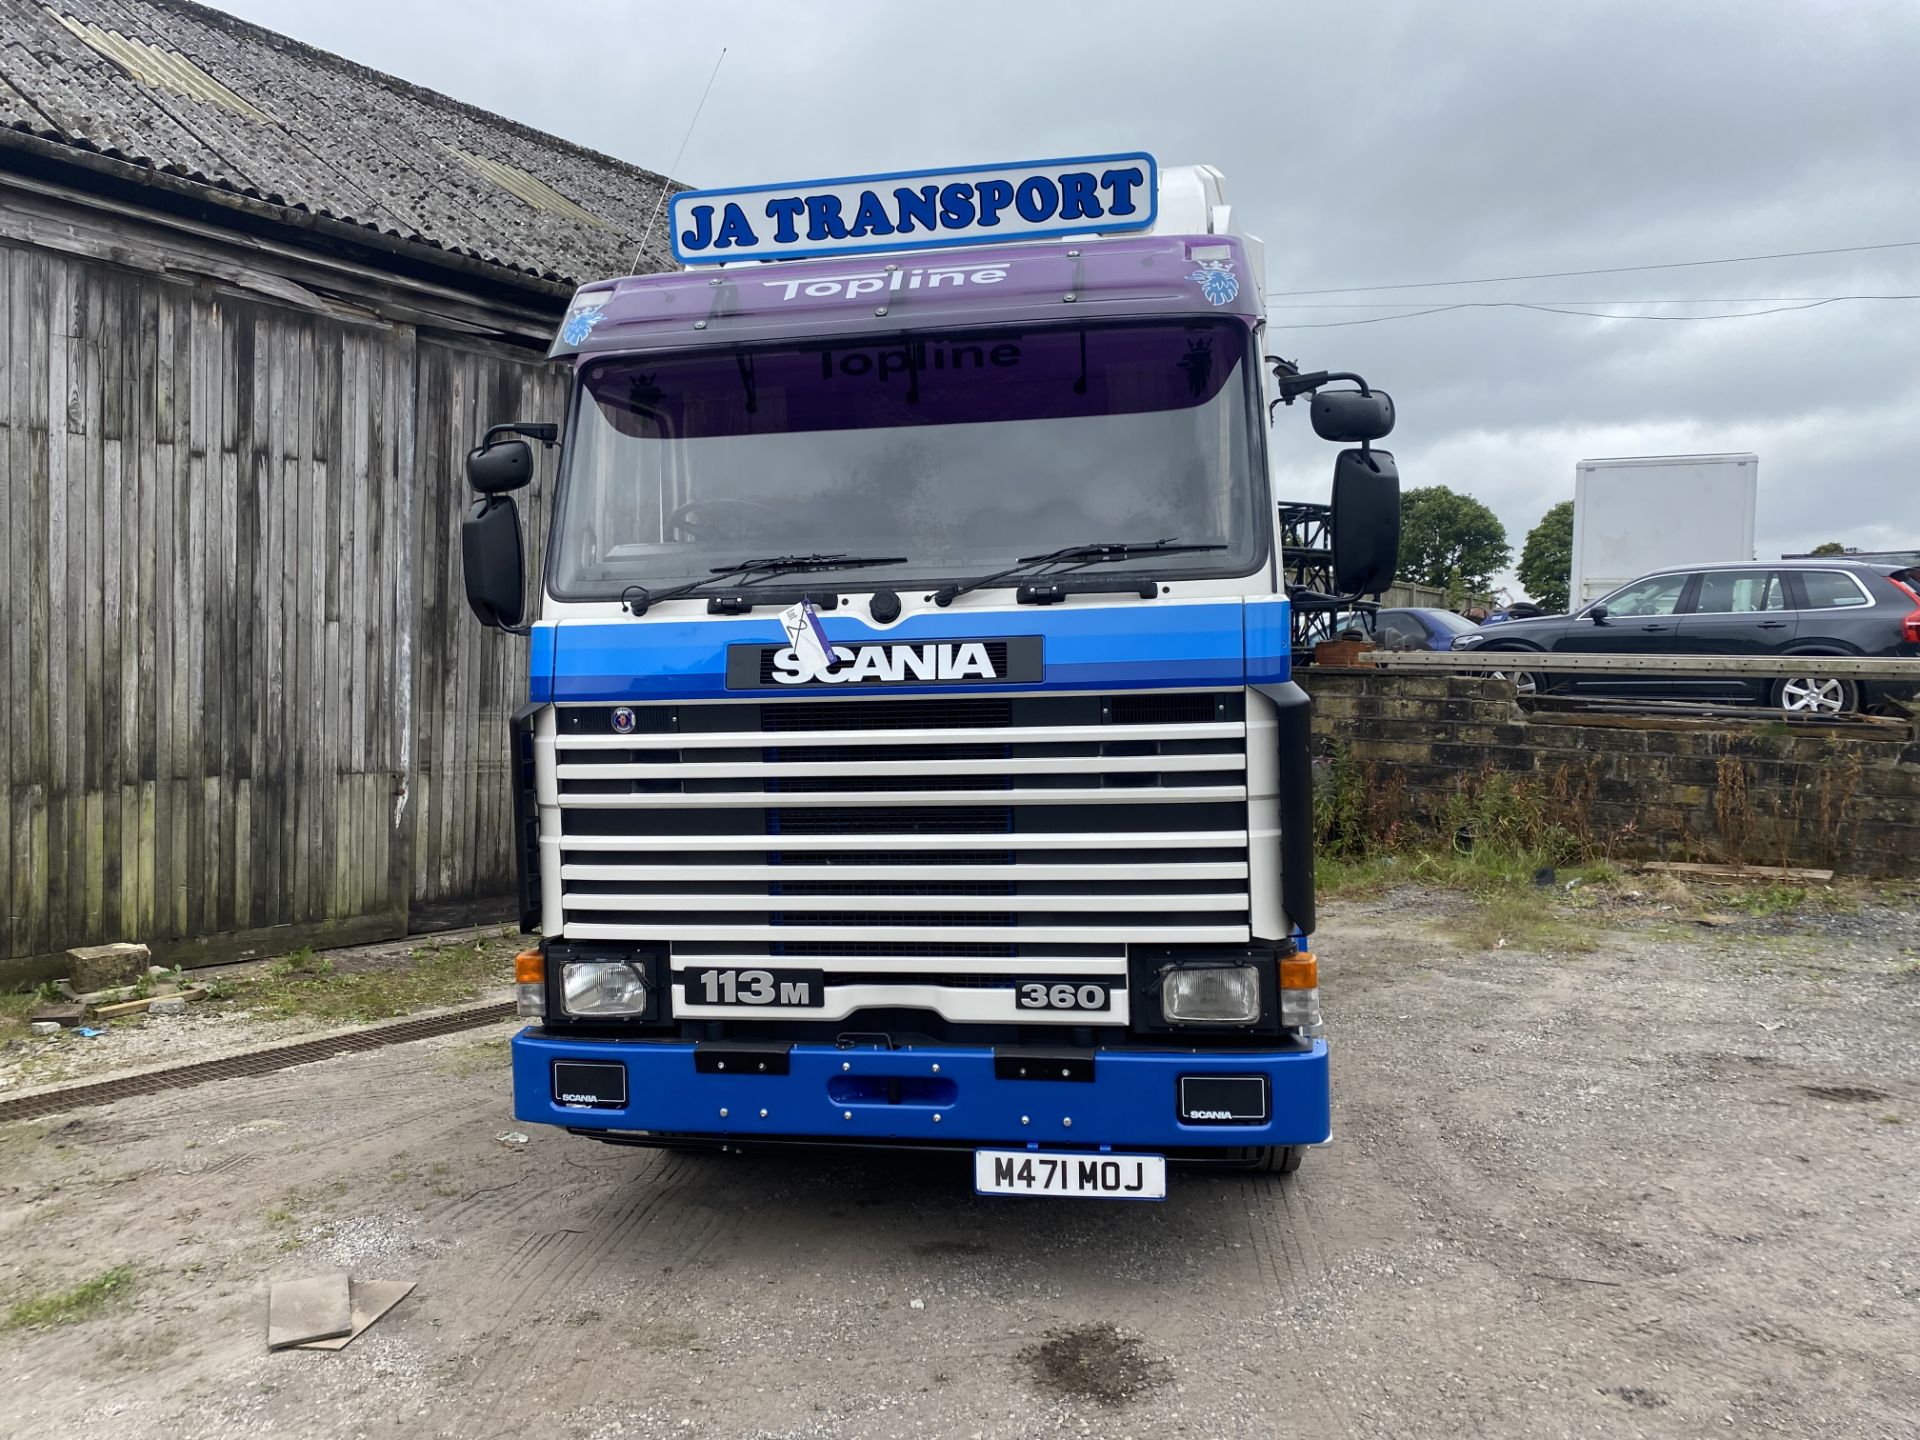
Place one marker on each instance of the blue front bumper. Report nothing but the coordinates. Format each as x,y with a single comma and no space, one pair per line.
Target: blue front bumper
948,1094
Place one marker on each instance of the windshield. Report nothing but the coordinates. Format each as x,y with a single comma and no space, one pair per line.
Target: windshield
961,451
1448,623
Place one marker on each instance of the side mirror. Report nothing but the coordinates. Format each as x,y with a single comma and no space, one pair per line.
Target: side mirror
1597,614
1366,521
503,466
491,561
1352,417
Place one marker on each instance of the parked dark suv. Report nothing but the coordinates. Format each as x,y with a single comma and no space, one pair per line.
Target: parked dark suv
1790,607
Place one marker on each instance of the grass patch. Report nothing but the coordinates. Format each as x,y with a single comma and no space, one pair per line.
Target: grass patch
68,1307
480,1057
14,1010
1772,901
1764,902
1518,897
1482,870
1525,919
305,984
297,1217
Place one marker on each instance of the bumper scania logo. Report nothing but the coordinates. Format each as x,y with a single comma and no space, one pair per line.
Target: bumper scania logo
623,721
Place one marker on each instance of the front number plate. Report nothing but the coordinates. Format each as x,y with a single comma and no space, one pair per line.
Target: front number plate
1099,1177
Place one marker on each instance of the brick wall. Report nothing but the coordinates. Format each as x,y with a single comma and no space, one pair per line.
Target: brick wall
1418,749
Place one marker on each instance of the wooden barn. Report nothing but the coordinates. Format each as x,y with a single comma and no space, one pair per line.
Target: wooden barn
255,303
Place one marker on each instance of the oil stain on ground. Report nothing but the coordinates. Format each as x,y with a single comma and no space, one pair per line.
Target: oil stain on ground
1094,1362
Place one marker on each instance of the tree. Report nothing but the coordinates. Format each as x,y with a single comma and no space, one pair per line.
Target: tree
1447,537
1546,560
1832,547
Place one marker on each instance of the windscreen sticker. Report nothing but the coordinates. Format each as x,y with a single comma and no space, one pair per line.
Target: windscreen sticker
586,312
1216,281
807,636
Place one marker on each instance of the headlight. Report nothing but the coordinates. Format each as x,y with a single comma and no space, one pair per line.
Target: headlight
603,987
1467,642
1212,994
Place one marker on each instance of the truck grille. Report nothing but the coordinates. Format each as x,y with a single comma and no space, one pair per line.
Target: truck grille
932,853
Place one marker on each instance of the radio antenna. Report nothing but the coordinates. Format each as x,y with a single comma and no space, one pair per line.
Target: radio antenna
674,168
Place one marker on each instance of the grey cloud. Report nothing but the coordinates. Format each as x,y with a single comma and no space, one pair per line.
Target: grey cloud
1396,141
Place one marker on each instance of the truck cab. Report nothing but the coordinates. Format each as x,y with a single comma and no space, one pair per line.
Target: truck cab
911,754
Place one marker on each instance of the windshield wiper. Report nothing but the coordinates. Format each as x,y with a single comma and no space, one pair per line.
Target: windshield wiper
757,570
1073,557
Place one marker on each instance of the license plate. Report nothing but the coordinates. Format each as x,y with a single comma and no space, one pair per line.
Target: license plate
1105,1177
754,989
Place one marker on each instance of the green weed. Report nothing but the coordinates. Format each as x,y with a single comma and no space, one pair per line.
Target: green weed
302,984
1361,810
1767,901
1525,919
68,1307
14,1010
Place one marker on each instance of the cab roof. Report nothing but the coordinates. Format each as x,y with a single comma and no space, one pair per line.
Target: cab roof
1131,276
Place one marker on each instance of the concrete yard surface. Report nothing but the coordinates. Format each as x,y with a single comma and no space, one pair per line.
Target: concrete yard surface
1665,1187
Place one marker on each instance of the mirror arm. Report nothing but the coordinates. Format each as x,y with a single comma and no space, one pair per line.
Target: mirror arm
1293,384
547,433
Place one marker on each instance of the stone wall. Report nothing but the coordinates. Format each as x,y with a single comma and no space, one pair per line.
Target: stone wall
1420,752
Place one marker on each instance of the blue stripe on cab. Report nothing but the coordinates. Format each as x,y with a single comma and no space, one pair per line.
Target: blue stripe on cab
1104,648
1269,641
540,664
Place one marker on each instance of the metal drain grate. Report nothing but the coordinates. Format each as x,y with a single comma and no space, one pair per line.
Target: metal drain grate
258,1062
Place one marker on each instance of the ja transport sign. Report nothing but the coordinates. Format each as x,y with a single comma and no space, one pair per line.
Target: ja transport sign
917,210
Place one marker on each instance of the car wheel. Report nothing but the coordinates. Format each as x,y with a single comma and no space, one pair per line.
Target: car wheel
1525,682
1816,694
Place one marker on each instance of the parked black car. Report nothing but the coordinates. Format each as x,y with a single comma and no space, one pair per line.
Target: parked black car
1810,608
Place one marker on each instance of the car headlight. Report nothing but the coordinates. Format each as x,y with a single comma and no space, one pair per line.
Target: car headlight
1211,994
603,987
1467,642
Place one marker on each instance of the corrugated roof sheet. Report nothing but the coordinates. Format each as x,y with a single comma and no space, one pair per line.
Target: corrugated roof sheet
182,89
162,69
530,188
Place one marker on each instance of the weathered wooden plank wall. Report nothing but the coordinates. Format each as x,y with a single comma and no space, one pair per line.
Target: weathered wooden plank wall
467,679
243,691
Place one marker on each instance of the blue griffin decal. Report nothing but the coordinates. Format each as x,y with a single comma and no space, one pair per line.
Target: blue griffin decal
579,325
1216,281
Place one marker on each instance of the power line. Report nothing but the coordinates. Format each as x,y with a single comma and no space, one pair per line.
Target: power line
674,169
1691,300
1609,270
1589,314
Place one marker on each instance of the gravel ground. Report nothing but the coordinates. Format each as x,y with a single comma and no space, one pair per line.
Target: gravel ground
1666,1187
209,1028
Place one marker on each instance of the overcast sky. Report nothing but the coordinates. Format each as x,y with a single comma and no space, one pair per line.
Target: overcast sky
1385,144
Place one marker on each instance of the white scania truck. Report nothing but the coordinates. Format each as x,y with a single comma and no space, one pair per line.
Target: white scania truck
911,755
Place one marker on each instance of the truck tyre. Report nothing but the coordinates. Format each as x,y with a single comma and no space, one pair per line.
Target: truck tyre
1816,694
1274,1159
